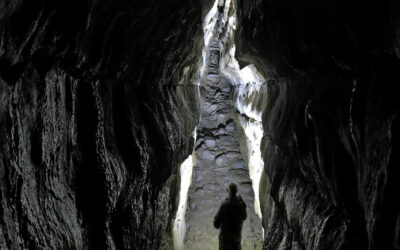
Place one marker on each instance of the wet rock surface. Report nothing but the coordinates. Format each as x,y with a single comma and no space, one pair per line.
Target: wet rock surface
97,113
95,118
218,158
331,145
218,162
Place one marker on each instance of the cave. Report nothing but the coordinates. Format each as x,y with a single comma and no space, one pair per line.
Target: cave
122,122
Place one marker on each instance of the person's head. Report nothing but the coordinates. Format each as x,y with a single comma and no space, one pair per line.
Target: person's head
232,189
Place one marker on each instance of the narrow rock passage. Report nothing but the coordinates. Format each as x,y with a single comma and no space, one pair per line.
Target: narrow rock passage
218,162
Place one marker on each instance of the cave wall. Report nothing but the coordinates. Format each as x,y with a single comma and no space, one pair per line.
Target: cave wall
331,144
95,118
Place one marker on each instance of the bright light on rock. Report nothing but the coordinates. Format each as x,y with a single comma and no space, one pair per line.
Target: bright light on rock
208,26
250,74
247,96
248,83
186,179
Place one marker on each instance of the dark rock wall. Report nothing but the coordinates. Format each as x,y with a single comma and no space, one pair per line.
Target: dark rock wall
331,145
93,121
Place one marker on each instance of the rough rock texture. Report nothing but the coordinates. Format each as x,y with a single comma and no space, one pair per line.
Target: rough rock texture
95,119
331,145
218,162
97,111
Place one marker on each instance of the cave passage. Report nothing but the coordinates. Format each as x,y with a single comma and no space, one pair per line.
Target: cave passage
218,155
122,122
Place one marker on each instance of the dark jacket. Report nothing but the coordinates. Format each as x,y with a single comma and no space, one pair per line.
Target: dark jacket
231,215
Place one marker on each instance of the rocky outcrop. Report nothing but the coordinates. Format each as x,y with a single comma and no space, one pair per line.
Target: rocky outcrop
218,162
97,109
95,116
331,124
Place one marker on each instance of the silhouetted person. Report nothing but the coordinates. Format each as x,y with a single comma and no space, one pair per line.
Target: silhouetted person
229,219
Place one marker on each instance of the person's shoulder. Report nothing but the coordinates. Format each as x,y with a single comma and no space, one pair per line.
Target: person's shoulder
226,201
240,200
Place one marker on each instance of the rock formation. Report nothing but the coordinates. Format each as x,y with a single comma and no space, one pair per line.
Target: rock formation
331,145
218,162
96,116
98,102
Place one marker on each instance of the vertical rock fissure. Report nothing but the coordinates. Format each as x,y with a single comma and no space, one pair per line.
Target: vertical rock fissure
218,156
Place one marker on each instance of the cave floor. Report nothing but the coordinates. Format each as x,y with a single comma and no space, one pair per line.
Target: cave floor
218,162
